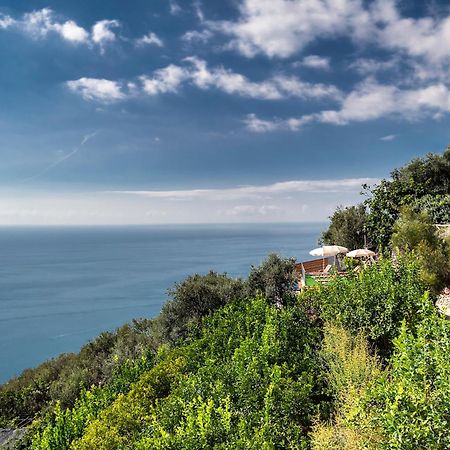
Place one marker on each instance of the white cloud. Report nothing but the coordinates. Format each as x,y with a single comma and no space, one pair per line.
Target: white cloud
70,31
97,89
231,82
251,210
258,192
197,72
427,37
257,125
370,101
197,36
280,28
389,137
315,62
282,202
102,32
6,21
40,23
370,66
174,7
150,39
164,80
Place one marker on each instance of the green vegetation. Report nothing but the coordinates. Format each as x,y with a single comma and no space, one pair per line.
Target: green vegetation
347,226
358,363
255,374
423,184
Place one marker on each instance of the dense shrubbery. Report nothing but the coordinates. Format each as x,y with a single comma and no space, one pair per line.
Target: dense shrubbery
194,298
249,380
275,279
374,301
406,405
252,375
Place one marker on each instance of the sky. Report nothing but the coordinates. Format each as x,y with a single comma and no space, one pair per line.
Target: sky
213,111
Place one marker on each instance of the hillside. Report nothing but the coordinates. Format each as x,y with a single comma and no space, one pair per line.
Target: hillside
358,363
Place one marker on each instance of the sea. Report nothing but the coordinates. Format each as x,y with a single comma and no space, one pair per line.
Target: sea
62,286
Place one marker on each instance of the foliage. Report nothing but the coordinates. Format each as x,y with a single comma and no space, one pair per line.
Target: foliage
415,232
63,378
194,298
351,369
411,401
274,278
70,422
347,227
416,183
249,380
373,301
436,205
406,406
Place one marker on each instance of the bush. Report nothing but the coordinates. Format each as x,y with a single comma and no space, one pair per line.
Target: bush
347,227
350,370
274,278
436,205
418,181
410,403
415,232
374,301
194,298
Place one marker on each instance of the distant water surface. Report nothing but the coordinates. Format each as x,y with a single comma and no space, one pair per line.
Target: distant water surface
60,287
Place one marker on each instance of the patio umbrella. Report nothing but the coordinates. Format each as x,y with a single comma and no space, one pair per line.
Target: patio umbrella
360,253
328,250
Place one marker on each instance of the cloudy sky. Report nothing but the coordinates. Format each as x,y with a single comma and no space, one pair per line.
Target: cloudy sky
159,111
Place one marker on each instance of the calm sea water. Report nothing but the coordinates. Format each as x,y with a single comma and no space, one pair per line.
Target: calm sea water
60,287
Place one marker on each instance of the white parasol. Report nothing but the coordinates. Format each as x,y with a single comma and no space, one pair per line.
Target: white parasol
360,253
328,250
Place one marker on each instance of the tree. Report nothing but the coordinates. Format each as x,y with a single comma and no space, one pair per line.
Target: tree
418,183
347,227
415,232
275,278
194,298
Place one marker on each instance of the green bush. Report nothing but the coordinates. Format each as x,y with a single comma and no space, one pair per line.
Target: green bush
436,205
347,227
415,232
194,298
351,369
373,301
274,278
411,402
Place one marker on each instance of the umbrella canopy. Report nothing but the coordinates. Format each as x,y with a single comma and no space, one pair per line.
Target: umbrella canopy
328,250
361,253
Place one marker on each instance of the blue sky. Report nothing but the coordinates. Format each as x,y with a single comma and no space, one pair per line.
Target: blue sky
163,111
